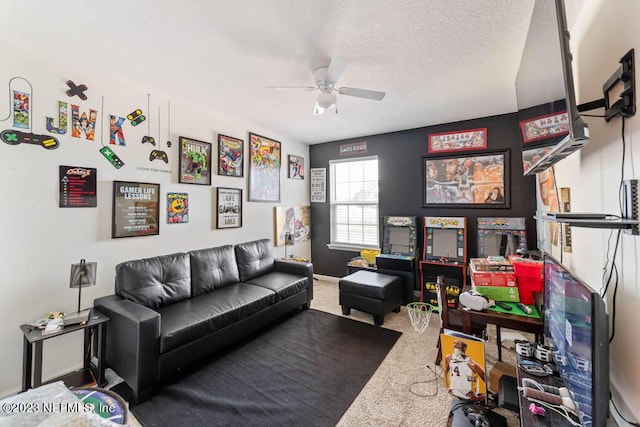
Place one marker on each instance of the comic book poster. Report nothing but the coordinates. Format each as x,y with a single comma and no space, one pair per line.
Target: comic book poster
463,365
177,208
295,220
230,156
264,169
195,162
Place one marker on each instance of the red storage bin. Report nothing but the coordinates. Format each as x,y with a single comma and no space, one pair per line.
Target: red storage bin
529,276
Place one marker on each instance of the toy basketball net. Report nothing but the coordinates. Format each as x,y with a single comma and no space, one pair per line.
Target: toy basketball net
420,313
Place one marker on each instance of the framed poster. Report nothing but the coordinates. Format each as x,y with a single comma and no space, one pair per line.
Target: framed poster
177,208
264,169
296,167
545,127
78,187
318,185
136,209
230,156
475,180
194,162
472,139
228,207
292,219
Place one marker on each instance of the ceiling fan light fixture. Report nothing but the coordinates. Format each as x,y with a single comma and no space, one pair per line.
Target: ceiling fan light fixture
326,100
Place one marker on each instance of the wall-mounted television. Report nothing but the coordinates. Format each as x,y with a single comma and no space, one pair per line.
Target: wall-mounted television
550,125
577,326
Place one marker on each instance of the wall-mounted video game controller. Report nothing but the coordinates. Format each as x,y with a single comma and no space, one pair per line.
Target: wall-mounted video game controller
158,154
112,157
149,139
15,137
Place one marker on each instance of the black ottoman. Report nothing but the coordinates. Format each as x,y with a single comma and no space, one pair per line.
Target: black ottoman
371,292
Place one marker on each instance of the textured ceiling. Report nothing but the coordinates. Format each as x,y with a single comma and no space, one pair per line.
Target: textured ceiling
438,61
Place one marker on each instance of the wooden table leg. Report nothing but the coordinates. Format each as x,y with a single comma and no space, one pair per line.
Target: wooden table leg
27,364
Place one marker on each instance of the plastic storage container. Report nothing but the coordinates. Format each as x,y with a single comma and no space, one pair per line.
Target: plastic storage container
529,275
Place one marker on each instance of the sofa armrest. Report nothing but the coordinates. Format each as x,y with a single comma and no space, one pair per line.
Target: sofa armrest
133,341
299,269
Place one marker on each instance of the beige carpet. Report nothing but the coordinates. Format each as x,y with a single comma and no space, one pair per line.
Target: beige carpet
404,390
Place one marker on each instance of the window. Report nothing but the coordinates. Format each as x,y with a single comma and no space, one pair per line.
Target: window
354,203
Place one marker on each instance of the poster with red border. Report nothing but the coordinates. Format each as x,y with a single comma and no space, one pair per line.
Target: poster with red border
446,142
543,127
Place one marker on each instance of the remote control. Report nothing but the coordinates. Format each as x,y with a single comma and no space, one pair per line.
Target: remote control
112,157
504,305
524,308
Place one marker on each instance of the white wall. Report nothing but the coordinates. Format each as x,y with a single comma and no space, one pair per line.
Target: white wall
41,240
603,33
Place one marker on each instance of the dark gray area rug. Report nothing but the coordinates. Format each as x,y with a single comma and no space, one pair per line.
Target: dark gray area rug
305,370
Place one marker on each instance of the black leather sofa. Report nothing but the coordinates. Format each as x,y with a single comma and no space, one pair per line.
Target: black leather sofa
169,311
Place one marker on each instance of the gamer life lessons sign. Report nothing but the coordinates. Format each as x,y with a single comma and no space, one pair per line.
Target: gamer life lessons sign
136,209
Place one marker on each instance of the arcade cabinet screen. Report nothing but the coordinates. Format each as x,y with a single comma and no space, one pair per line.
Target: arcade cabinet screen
445,242
499,242
399,240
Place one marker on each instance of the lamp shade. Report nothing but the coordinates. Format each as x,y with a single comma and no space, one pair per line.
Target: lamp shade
83,274
326,100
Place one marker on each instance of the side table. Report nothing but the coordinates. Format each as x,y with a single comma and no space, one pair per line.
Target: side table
32,350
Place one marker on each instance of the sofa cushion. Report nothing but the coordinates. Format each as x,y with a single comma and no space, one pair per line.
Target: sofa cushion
283,284
196,317
155,282
213,268
254,258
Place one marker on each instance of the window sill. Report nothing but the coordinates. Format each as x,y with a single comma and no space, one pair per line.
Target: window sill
346,247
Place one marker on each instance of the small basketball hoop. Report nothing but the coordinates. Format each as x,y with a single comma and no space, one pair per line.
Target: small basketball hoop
420,313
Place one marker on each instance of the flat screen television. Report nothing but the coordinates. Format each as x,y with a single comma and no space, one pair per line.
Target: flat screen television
577,326
550,125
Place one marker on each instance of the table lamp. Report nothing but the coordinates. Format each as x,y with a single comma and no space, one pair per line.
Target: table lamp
82,275
288,241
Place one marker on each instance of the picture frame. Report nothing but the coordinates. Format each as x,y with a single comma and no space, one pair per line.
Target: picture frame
230,156
296,167
264,169
541,128
194,160
460,140
228,207
479,180
292,220
135,209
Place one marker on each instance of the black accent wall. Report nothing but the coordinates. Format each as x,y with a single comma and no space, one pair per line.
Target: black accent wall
400,184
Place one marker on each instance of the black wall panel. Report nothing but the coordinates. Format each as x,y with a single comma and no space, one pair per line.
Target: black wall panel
400,183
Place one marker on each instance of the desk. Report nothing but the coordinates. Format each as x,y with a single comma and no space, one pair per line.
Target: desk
502,320
33,339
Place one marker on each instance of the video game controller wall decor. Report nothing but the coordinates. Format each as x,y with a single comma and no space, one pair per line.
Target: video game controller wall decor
136,117
112,157
76,90
149,139
15,137
158,154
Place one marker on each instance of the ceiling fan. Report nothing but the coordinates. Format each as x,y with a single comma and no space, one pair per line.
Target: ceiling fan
326,79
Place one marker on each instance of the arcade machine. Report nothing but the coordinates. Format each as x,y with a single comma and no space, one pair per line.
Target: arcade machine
445,253
501,236
400,252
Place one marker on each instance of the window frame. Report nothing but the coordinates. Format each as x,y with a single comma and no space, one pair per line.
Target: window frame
348,246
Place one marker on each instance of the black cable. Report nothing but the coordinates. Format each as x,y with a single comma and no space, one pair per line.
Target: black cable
613,264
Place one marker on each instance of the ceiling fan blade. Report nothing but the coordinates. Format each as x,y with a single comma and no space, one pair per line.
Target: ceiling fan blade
336,68
361,93
309,88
